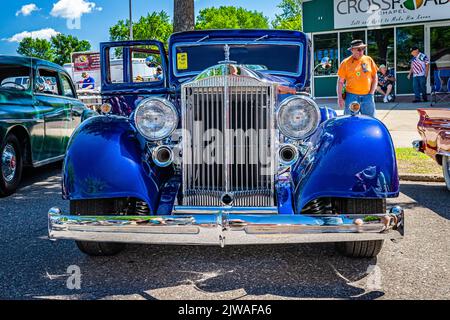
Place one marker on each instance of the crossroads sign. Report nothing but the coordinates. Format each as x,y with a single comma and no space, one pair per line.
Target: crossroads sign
368,13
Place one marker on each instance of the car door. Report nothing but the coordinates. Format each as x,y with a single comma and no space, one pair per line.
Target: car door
130,73
75,106
54,109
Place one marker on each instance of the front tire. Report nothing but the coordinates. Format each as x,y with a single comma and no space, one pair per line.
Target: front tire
95,207
361,249
446,169
11,165
100,249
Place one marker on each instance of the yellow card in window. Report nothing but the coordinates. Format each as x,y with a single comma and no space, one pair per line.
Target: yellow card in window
182,61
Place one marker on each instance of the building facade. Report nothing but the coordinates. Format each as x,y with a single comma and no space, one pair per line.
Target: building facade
389,27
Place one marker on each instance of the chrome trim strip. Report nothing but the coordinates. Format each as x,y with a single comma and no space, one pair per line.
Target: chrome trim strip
47,161
444,153
22,120
226,228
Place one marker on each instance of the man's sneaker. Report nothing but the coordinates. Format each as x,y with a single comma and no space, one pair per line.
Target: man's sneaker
390,98
385,100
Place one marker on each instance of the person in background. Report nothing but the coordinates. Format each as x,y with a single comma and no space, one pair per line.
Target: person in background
48,85
359,74
159,74
386,82
88,81
420,68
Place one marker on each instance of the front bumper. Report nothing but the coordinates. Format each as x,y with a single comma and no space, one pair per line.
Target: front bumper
223,226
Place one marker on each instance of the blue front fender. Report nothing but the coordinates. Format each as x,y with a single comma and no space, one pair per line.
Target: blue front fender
350,157
104,160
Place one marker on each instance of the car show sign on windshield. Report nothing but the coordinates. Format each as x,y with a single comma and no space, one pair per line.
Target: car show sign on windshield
360,13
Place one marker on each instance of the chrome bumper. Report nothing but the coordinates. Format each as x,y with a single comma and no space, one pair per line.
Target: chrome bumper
222,226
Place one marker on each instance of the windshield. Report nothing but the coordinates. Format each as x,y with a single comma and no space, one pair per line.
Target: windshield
14,77
276,58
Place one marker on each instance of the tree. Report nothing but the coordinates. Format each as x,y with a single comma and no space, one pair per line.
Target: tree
37,48
58,50
228,17
291,16
64,45
184,16
155,25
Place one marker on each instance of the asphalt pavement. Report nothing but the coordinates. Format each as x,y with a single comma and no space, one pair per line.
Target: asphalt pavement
31,267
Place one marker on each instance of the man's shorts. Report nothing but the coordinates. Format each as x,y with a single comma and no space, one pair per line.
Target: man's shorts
385,86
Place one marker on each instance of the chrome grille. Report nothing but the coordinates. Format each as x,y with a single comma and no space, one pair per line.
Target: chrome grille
242,163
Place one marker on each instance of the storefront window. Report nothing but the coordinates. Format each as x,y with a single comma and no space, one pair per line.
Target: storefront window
440,54
326,45
408,37
346,38
381,46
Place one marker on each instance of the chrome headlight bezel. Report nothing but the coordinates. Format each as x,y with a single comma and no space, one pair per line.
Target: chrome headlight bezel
303,101
171,127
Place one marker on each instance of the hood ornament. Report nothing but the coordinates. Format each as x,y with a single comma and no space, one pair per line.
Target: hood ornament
227,60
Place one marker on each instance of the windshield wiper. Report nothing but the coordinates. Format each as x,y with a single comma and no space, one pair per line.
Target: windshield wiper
262,38
204,38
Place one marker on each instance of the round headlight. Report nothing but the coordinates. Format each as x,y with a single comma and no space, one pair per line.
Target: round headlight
298,117
156,119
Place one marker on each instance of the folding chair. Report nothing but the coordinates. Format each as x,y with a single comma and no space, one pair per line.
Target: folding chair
441,88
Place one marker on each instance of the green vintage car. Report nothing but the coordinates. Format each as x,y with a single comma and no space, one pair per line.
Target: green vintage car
39,110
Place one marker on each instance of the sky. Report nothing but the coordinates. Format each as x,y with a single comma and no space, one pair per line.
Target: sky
90,19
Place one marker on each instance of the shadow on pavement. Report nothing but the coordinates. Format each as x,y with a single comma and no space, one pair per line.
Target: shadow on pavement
439,202
32,175
182,272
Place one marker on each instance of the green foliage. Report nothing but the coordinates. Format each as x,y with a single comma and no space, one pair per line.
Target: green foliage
64,45
412,162
154,26
291,16
58,50
228,17
37,48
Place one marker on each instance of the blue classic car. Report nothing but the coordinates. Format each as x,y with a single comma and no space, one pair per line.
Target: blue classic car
219,143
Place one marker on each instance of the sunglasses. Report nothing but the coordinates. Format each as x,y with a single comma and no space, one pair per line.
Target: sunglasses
359,49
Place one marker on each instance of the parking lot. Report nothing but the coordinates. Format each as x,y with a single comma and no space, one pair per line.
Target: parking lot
31,267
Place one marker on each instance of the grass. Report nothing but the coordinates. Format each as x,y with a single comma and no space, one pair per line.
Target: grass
412,162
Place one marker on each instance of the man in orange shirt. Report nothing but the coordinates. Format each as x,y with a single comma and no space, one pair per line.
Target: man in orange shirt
359,74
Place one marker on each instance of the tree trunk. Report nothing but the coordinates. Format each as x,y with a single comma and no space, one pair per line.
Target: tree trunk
184,17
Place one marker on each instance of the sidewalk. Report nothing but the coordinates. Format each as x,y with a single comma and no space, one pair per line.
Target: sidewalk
400,118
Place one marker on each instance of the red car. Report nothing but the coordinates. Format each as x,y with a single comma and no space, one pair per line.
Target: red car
434,127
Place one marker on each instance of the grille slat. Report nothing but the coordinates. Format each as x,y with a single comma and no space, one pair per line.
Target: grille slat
244,106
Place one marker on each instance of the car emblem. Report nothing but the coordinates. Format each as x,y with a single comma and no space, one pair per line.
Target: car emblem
226,48
227,60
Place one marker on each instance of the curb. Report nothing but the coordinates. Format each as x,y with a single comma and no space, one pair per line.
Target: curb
422,178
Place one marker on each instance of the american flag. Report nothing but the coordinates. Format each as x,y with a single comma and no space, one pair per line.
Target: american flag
419,64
